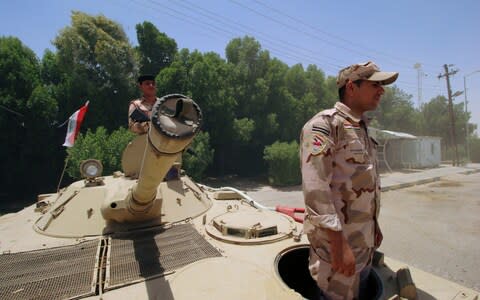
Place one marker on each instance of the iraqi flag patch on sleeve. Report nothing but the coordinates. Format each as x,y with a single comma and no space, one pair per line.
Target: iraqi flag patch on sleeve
319,144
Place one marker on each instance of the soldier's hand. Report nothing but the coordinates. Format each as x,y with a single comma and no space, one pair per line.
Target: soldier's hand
141,127
343,260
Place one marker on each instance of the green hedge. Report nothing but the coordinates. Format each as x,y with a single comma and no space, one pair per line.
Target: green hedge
283,163
107,148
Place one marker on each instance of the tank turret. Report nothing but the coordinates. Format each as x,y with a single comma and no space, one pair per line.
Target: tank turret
175,121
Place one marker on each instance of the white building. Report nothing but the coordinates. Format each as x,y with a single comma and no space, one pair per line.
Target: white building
403,150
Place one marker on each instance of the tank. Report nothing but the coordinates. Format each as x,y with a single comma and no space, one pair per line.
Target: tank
151,232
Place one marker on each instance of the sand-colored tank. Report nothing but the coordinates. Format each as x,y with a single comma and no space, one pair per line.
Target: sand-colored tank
150,232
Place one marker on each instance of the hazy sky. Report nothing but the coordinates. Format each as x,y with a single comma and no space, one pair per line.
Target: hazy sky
330,34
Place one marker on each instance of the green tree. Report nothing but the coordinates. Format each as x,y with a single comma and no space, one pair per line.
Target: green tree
250,88
27,113
196,161
20,71
204,77
156,49
243,128
98,65
436,121
396,111
475,150
50,71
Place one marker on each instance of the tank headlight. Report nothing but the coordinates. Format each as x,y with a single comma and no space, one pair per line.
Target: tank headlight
91,168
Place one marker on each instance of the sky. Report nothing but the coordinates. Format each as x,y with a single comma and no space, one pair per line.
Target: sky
396,35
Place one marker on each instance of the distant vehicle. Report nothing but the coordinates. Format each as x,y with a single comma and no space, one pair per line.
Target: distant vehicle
150,232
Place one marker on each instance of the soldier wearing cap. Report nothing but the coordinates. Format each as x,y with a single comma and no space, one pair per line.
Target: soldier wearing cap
146,83
341,184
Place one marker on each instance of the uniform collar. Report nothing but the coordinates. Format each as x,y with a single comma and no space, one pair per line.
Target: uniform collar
347,112
144,101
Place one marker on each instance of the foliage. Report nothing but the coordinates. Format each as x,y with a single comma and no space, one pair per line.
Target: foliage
20,70
98,65
283,163
435,121
98,145
27,113
199,156
243,129
204,78
396,111
475,150
156,49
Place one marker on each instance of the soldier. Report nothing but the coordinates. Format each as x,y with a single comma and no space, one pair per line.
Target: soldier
341,184
136,122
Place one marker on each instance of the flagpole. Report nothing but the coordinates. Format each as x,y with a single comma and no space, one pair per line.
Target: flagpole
61,177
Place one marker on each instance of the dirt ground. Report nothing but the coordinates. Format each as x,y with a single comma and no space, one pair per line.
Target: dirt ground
434,227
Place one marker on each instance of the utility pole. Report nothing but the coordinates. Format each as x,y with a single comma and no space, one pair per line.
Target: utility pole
420,75
467,150
450,110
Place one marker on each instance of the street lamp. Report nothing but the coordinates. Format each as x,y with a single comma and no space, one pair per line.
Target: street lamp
467,149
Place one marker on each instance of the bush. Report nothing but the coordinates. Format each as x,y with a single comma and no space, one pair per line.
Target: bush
474,150
198,157
283,163
99,145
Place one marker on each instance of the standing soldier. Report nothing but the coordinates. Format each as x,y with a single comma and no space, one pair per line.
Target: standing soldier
341,185
137,122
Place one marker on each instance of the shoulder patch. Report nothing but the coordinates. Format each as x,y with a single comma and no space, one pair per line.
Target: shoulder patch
319,144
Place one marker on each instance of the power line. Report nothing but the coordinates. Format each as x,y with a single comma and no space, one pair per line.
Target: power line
280,48
315,36
299,21
401,62
248,29
223,31
11,111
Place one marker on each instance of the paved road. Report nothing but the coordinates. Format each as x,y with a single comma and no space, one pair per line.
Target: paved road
436,227
430,218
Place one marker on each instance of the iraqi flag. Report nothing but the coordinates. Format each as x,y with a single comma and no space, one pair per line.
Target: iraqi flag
74,123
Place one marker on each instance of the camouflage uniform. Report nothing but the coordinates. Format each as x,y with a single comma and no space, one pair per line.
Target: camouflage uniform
144,107
342,192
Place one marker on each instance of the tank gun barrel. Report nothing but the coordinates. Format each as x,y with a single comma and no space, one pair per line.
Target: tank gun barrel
175,121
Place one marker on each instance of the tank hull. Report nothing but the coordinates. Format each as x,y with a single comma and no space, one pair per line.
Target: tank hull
202,262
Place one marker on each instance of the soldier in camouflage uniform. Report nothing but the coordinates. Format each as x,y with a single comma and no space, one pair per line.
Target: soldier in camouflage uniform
341,184
146,83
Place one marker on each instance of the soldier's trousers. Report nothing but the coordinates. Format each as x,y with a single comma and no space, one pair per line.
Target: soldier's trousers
336,286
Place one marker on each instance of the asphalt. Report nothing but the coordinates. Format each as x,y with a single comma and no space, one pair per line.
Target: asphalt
293,197
409,177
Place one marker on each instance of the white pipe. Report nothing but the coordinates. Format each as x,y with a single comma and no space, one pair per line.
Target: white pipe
242,194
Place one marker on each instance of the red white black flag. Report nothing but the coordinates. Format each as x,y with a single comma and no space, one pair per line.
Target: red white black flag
74,123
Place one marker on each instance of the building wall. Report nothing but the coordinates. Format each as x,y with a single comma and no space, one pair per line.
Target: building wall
421,152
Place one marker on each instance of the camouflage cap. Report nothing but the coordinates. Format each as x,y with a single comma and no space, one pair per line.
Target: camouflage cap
367,71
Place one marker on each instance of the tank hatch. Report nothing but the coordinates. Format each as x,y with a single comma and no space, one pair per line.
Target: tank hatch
251,227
